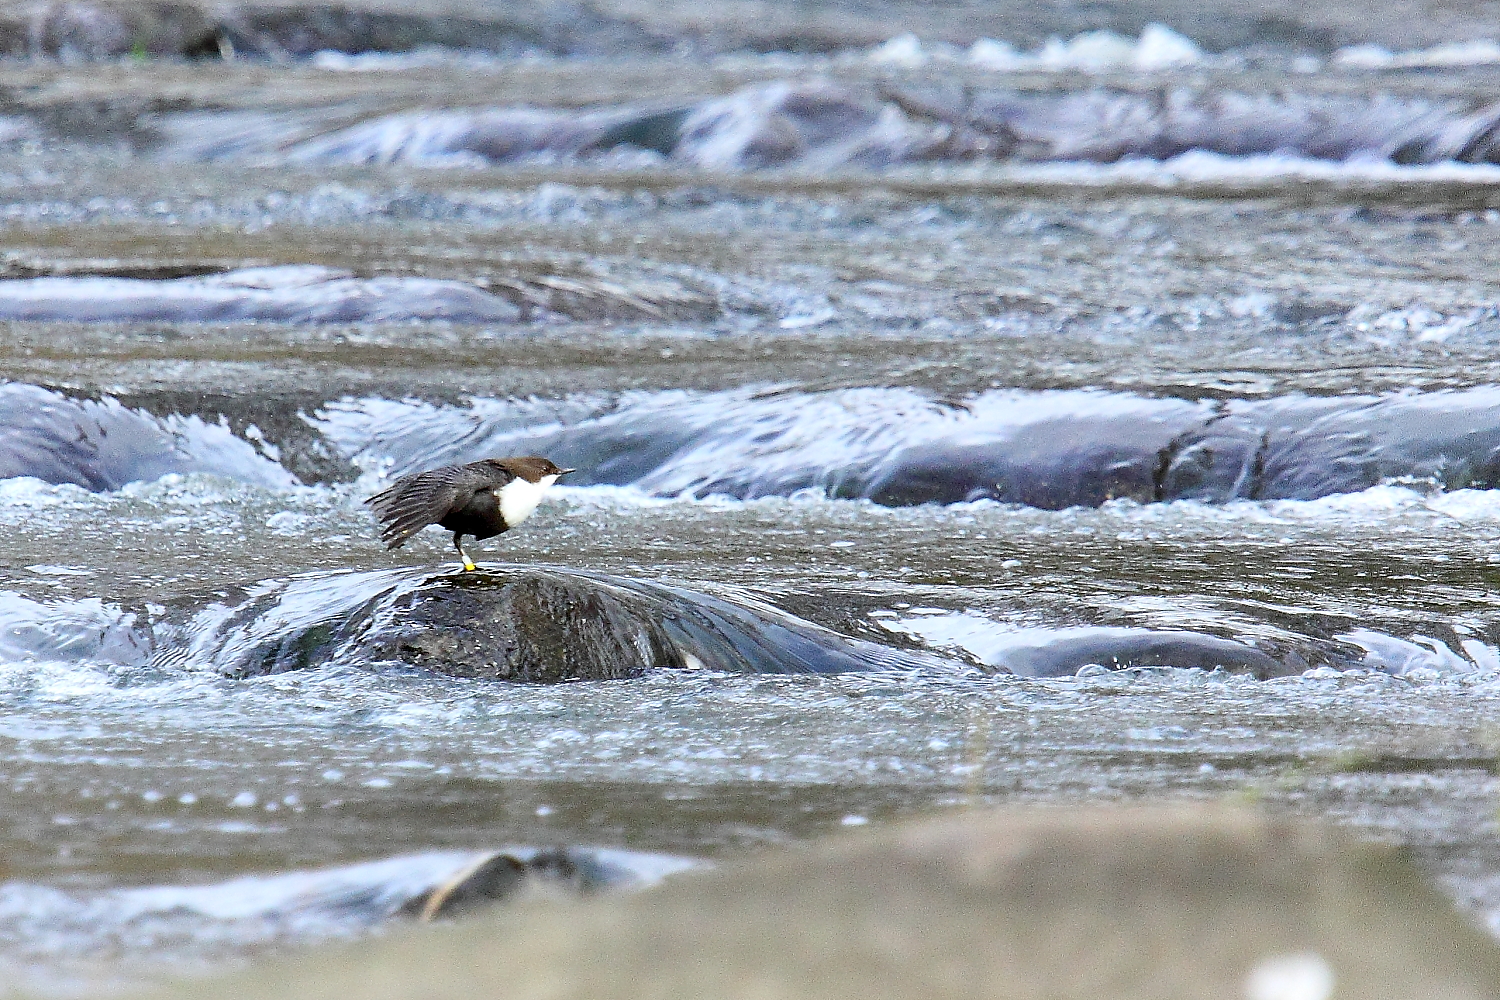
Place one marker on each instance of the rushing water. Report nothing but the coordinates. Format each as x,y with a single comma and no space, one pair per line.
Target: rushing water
1106,420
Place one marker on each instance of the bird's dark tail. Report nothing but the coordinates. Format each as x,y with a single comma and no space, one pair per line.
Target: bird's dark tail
402,512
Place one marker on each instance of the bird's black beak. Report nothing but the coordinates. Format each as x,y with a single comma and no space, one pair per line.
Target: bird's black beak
564,472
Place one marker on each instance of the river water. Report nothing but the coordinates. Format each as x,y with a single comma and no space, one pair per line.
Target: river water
1134,421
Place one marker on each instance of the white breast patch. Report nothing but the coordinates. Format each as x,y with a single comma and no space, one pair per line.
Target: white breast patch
518,498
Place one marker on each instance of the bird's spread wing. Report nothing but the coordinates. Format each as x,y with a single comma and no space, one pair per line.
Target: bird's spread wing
413,502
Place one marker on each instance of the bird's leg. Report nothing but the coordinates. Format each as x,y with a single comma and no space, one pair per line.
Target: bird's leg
458,543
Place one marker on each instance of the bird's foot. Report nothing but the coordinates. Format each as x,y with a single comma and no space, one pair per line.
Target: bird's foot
469,567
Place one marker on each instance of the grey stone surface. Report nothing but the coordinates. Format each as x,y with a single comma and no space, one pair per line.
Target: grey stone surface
1160,902
535,627
529,624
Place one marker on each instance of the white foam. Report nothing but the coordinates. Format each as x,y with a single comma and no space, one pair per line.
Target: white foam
333,61
13,128
1376,508
1304,976
103,445
222,636
1480,52
1157,48
85,630
45,569
1404,657
902,50
1202,167
29,492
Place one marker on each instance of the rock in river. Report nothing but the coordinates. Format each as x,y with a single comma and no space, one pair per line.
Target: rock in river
521,623
537,626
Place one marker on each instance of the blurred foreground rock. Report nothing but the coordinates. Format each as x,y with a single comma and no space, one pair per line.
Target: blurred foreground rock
1178,901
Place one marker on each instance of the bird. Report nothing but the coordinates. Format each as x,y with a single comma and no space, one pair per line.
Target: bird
481,499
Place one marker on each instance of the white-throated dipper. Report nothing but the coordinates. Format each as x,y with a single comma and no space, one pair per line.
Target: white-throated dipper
480,499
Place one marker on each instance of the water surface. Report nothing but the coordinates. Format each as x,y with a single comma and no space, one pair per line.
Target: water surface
1155,473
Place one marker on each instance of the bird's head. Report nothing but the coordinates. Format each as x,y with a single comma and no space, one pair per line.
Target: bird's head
534,469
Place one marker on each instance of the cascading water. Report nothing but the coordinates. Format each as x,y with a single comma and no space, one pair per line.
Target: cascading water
956,422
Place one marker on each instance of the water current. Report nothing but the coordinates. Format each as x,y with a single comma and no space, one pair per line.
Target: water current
962,424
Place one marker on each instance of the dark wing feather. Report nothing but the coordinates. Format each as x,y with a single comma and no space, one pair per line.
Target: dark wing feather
413,502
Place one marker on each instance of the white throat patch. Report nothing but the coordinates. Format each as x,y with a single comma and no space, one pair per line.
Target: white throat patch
518,498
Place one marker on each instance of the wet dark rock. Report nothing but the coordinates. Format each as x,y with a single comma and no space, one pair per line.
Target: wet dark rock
1054,465
536,628
528,625
1105,125
1451,439
490,879
769,125
787,123
579,871
101,30
18,266
1309,312
894,446
502,876
653,131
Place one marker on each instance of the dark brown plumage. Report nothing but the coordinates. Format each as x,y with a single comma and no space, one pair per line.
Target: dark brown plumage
481,499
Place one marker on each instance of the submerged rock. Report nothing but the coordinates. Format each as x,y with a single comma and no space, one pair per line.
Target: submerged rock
287,294
807,124
494,135
1063,652
901,447
1144,648
292,903
818,125
503,875
895,446
490,879
102,445
521,624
